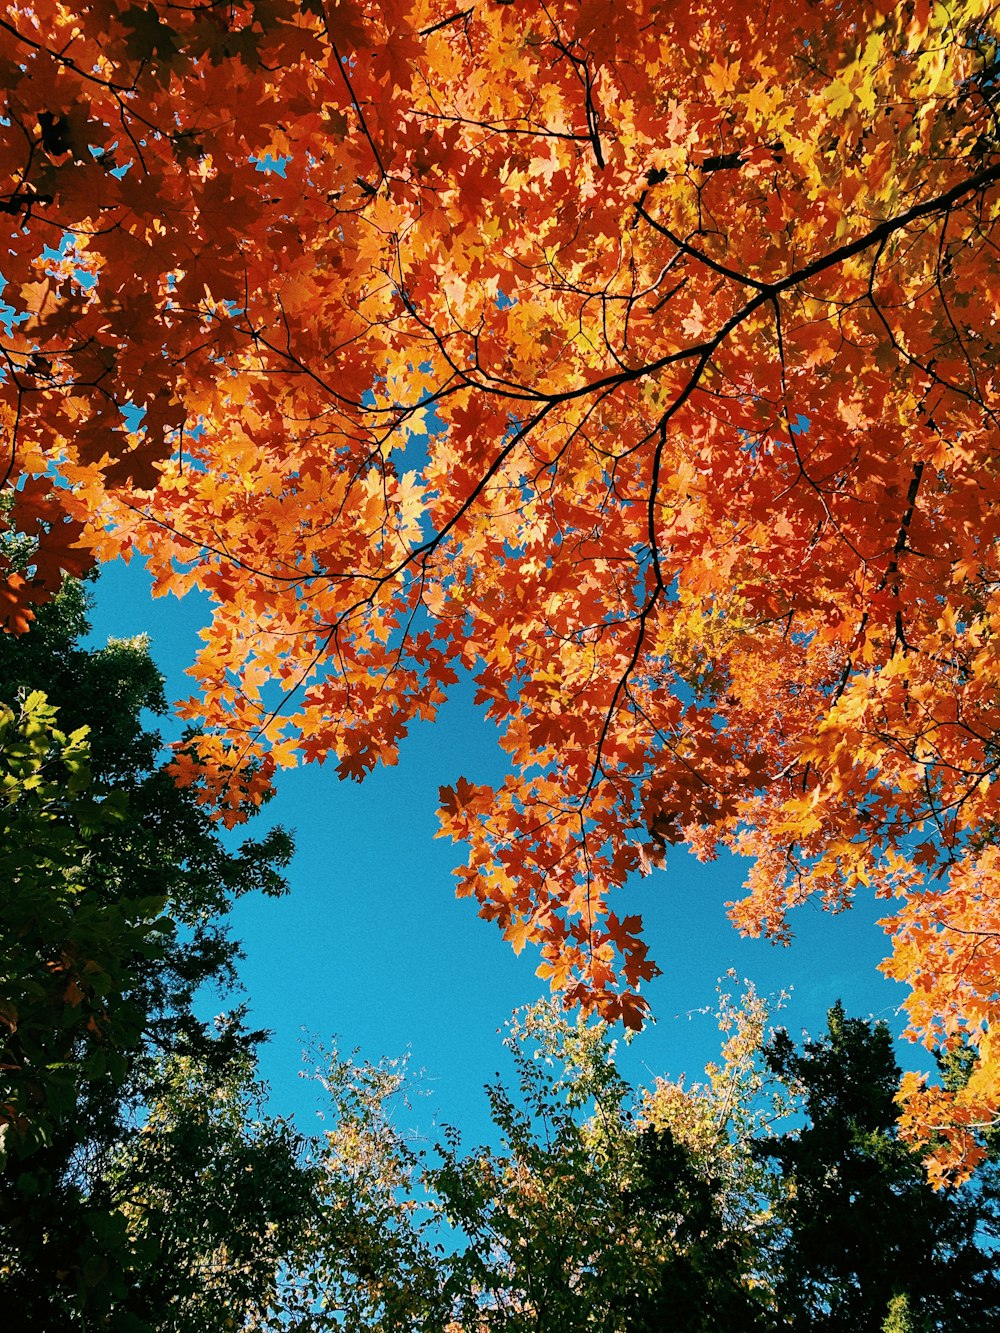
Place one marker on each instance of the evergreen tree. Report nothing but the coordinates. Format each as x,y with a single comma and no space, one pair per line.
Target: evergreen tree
863,1241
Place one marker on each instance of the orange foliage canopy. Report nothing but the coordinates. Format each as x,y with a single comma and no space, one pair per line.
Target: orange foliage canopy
639,358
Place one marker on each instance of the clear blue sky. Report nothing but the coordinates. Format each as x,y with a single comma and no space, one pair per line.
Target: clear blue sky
372,946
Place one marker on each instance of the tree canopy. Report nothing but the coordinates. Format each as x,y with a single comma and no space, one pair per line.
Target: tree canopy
861,1239
141,1186
777,1195
639,359
584,1214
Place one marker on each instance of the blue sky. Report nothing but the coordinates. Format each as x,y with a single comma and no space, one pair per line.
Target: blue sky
371,945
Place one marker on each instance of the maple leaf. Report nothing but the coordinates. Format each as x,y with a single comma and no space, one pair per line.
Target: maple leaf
148,36
458,805
345,25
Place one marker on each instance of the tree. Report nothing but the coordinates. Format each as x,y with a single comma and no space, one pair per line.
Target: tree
114,891
582,1217
213,1198
638,359
585,1219
372,1260
722,1122
777,1195
863,1239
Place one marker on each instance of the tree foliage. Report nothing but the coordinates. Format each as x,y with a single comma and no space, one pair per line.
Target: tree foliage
638,358
211,1198
713,1207
863,1240
119,1107
580,1217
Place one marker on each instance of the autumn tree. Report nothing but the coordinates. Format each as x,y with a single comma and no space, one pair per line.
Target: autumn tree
639,359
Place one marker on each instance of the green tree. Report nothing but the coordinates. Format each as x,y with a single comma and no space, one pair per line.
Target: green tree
862,1240
374,1258
586,1216
114,887
213,1198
